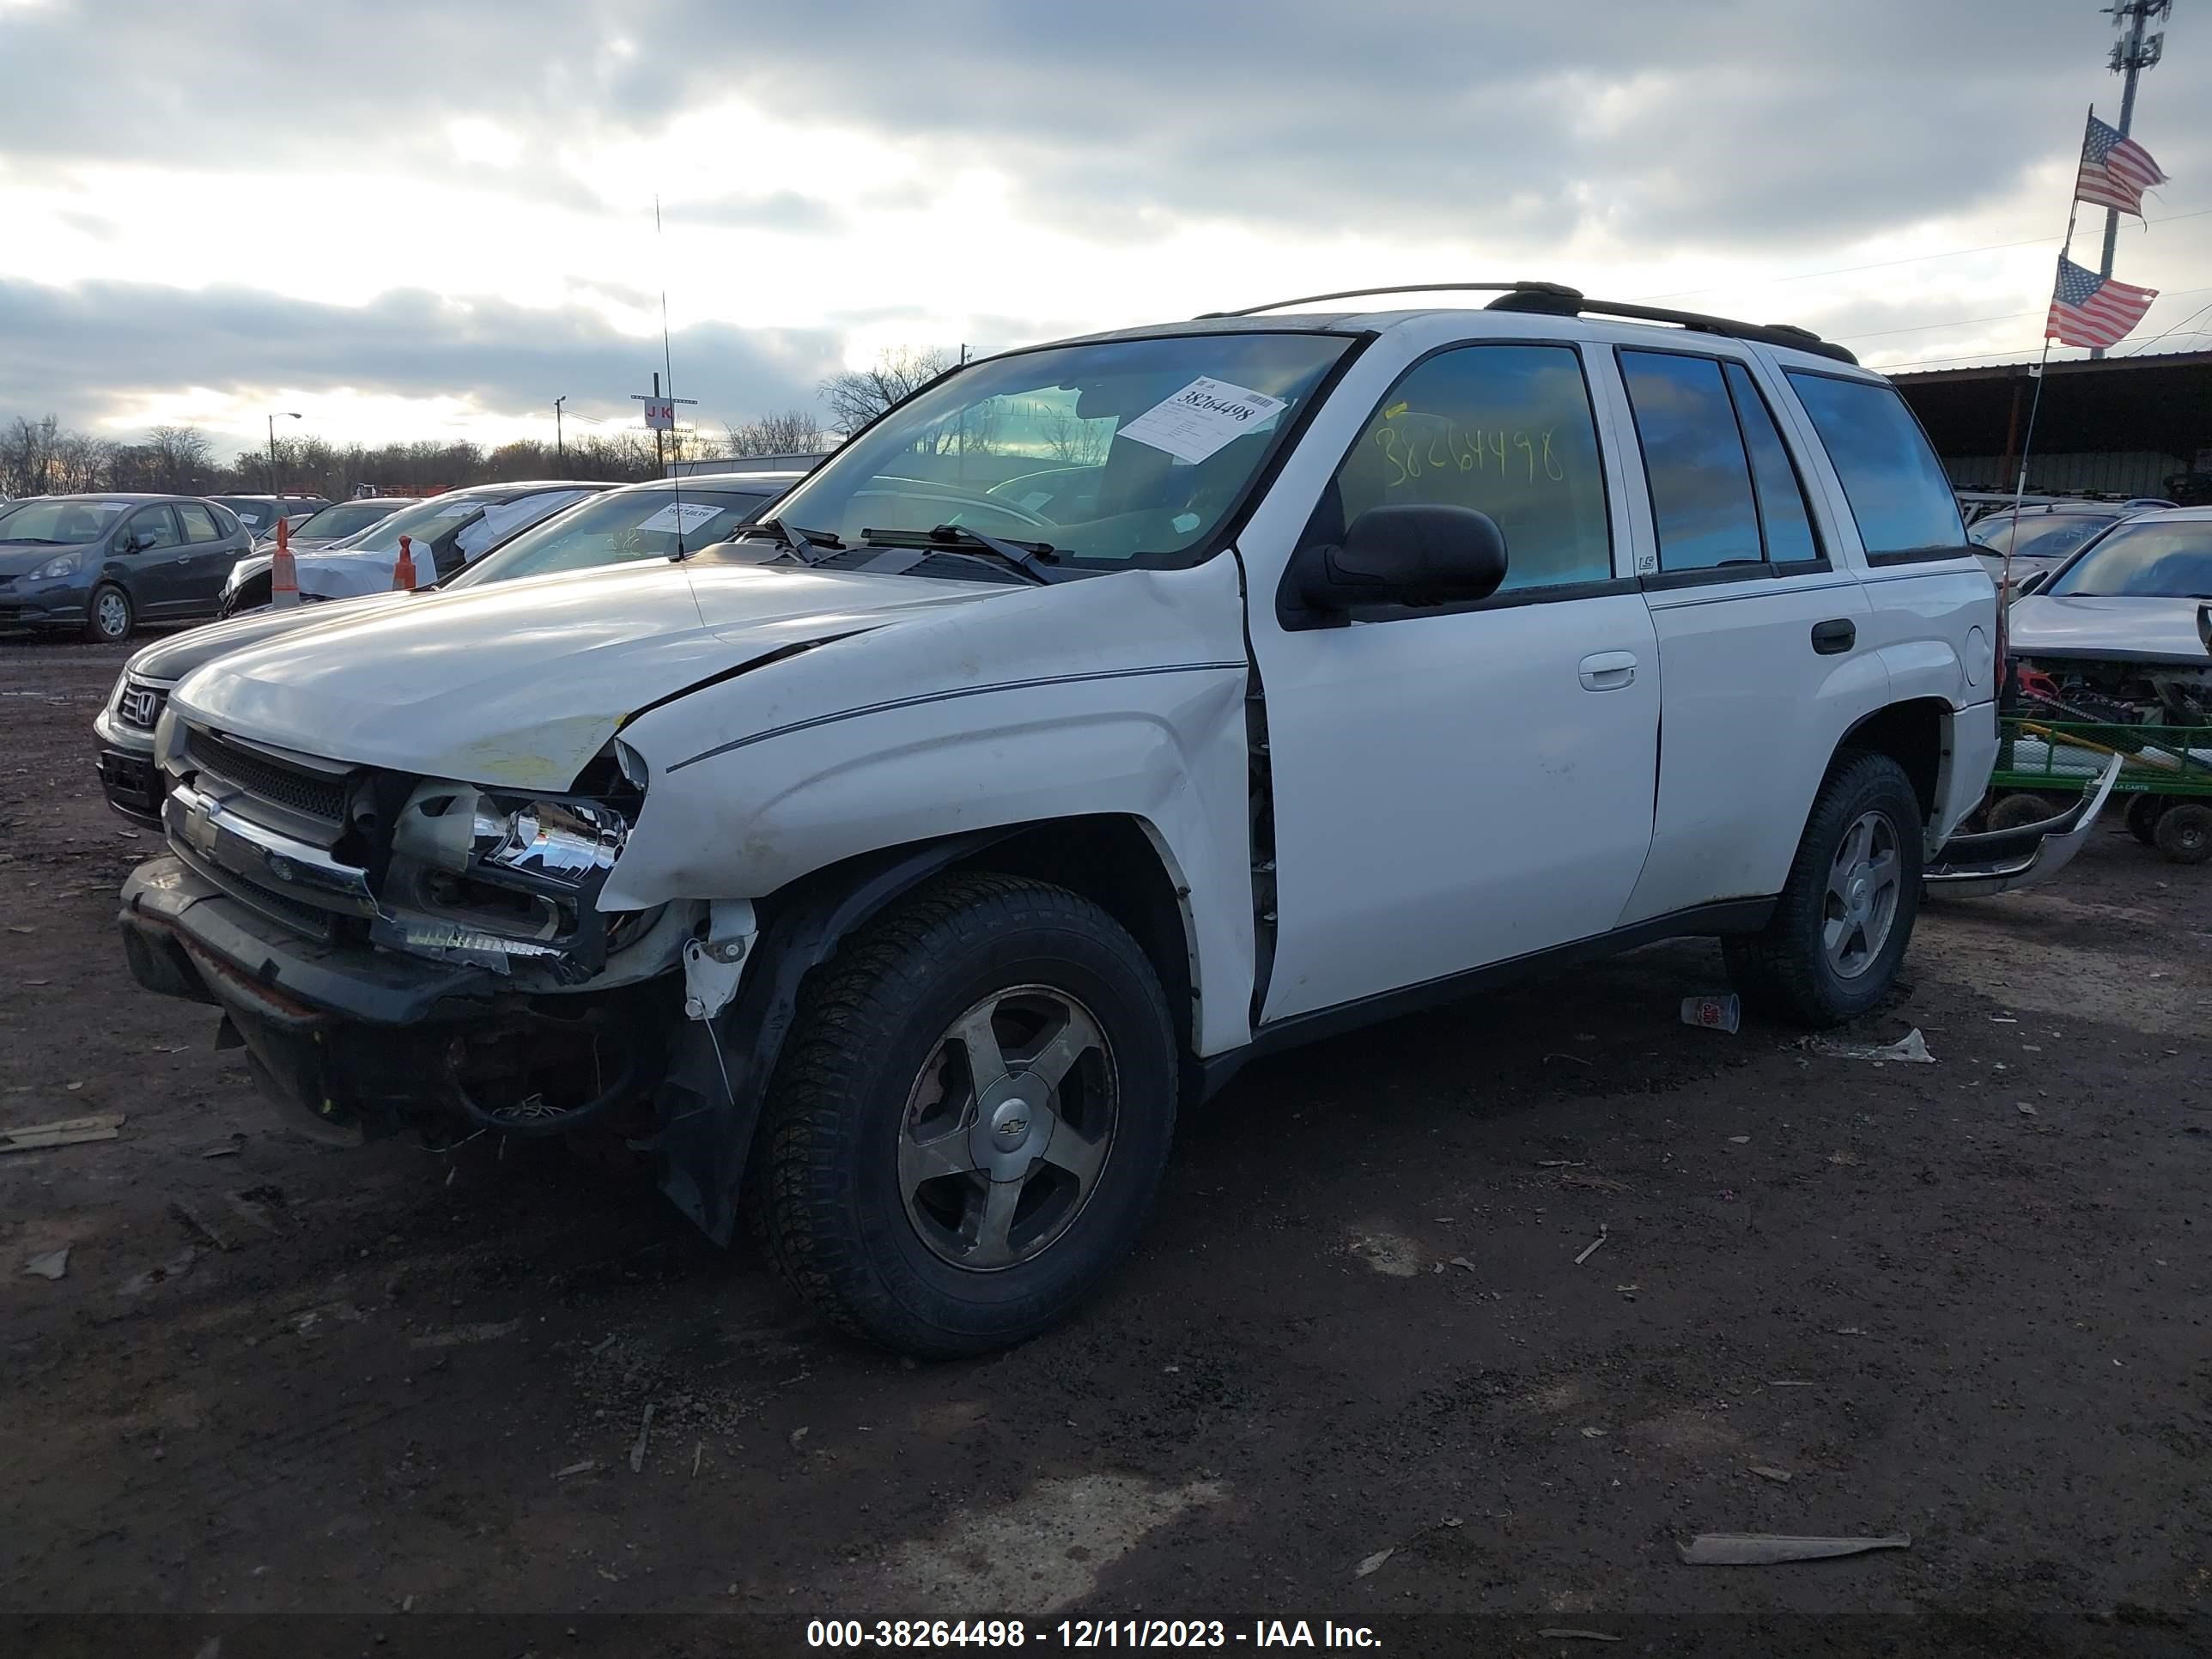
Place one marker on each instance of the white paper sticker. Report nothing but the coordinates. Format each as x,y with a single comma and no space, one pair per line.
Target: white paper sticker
457,510
681,518
1200,419
1036,498
105,508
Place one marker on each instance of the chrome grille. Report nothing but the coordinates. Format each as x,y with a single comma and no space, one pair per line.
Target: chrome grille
313,794
302,919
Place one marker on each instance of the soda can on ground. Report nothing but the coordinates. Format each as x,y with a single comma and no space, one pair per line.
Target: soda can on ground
1721,1013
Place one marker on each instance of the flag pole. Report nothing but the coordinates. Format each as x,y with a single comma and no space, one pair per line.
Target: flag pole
2035,403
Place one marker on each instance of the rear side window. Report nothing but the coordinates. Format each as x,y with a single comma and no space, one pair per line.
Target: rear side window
1694,455
1898,496
199,523
1783,517
1505,429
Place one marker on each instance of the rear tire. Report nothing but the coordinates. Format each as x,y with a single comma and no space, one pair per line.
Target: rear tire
110,616
2142,818
2017,811
971,1117
1839,930
2185,832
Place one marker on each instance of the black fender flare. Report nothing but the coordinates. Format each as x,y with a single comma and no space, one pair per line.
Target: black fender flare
708,1125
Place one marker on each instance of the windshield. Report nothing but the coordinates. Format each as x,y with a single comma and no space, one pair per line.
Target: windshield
2170,561
258,516
425,521
61,523
617,527
2050,536
347,518
1127,451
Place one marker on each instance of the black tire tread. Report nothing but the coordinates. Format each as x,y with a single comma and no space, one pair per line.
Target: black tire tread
2142,818
2017,811
2177,822
807,1180
1771,970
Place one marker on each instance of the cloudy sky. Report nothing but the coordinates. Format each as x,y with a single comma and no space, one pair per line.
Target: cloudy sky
432,217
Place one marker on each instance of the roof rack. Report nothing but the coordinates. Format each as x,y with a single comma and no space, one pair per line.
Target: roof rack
1554,289
1557,300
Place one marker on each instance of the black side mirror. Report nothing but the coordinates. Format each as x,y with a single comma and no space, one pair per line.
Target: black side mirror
1414,554
2027,585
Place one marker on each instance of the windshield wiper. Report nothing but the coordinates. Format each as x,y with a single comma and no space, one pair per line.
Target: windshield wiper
799,543
959,541
38,541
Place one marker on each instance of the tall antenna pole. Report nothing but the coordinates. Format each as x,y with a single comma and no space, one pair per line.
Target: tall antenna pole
2130,58
559,448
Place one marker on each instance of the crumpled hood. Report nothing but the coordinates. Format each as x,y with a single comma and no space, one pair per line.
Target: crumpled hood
2138,630
521,682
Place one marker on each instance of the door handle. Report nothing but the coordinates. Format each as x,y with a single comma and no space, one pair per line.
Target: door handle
1833,638
186,559
1608,671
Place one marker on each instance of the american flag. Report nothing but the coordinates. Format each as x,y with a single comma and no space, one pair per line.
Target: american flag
2115,171
2089,310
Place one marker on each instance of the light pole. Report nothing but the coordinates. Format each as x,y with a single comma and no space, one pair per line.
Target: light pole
276,489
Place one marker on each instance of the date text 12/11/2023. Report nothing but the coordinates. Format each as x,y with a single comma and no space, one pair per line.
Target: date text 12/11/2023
1083,1633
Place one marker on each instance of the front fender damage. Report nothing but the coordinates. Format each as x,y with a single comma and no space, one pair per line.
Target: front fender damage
719,1066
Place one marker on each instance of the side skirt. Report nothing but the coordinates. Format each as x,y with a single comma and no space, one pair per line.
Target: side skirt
1728,916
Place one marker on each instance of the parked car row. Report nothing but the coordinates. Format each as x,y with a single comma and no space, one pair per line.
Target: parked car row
100,564
506,525
103,564
2038,536
902,867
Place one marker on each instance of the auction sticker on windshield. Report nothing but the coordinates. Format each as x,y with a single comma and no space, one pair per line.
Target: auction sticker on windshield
1202,418
681,517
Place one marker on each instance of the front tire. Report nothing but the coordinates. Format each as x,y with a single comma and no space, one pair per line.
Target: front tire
110,616
971,1118
1832,950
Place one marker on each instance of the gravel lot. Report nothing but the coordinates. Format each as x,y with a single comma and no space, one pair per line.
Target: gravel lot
1966,1302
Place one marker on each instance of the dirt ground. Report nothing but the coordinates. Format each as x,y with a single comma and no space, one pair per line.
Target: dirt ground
388,1392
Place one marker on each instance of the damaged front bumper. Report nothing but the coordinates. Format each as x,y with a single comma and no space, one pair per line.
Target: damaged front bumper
2005,861
367,1042
354,1037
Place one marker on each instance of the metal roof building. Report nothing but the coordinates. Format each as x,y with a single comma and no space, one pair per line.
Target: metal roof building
2119,426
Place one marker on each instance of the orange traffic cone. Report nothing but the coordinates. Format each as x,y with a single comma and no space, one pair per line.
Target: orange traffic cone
403,568
283,573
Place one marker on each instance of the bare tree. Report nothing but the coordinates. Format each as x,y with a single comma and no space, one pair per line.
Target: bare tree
181,458
81,462
795,432
1068,438
27,456
857,396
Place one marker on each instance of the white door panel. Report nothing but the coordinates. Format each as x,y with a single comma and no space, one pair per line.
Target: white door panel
1448,794
1754,712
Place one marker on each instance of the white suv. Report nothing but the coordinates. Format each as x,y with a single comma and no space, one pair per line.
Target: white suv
1107,713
